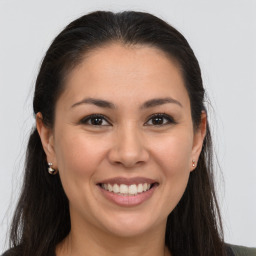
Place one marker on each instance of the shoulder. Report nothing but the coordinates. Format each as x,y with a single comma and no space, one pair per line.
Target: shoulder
241,250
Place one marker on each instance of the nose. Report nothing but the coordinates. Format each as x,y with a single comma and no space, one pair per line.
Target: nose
128,148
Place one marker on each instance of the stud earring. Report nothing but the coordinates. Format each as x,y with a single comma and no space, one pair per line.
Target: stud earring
51,170
193,163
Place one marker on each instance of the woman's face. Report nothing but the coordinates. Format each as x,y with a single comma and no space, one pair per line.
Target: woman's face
139,142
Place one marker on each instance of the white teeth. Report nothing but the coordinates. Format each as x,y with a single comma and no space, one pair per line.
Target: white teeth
109,187
140,188
133,190
125,189
116,188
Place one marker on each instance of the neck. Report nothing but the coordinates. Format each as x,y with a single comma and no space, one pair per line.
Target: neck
81,242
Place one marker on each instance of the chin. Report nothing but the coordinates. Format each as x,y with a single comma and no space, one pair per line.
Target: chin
131,225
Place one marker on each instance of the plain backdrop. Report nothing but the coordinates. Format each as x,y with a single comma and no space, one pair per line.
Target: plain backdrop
222,34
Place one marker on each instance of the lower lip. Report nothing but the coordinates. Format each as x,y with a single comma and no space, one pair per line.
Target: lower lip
132,200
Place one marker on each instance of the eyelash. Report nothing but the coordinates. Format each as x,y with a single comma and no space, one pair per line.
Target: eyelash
169,119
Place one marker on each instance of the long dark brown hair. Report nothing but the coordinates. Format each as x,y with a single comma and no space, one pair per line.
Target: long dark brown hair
42,219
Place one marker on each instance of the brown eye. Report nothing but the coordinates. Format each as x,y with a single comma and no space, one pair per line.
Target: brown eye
160,119
95,120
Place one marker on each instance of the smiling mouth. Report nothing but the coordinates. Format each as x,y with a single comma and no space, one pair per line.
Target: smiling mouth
127,190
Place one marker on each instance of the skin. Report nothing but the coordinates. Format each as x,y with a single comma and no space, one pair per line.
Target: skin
127,144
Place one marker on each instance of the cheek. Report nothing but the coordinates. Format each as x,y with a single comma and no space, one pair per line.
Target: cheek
173,157
173,154
78,155
78,158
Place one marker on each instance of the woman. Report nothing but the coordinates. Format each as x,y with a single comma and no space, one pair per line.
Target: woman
120,160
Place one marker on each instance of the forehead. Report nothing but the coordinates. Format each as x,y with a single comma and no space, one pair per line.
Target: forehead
134,72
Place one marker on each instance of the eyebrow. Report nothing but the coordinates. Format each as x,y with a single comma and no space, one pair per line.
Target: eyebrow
106,104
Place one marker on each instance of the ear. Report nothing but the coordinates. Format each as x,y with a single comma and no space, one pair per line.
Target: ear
47,140
198,140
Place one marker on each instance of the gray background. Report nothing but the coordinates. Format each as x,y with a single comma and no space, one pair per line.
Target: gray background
223,36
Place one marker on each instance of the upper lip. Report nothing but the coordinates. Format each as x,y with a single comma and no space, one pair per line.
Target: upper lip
128,181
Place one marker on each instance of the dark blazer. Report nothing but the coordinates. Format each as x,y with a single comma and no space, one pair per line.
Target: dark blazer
235,250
